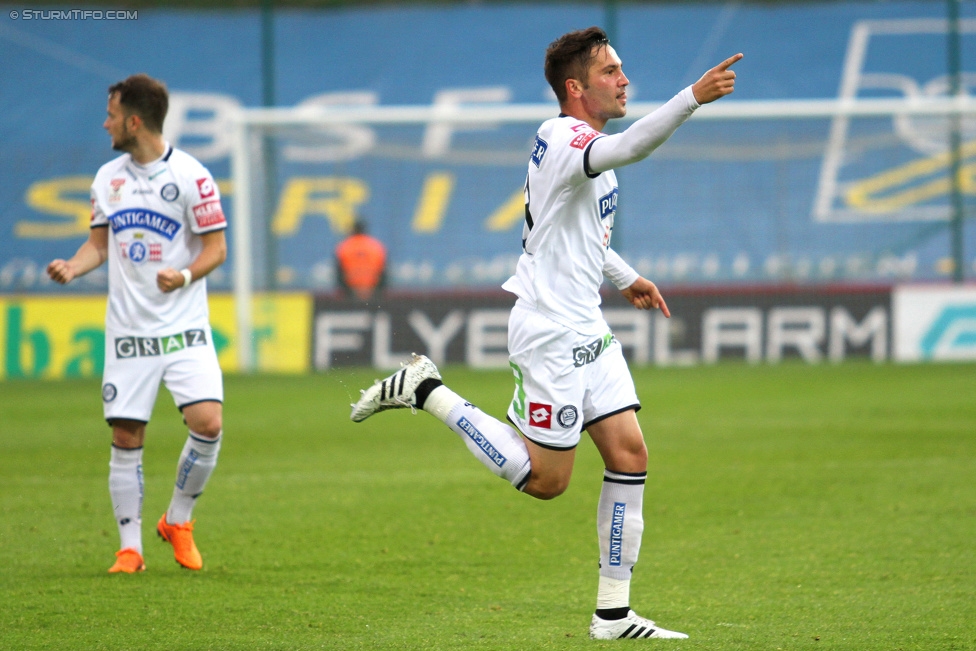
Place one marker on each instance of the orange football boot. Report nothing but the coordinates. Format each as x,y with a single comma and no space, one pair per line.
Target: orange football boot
180,536
128,560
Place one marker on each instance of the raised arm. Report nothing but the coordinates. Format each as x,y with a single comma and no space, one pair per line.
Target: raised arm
651,131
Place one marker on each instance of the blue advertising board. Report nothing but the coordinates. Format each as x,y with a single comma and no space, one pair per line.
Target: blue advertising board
808,200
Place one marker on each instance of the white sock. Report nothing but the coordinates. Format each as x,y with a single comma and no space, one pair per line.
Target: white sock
620,525
197,462
125,485
613,593
496,445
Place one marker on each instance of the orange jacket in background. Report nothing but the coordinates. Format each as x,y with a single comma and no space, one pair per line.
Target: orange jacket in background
362,260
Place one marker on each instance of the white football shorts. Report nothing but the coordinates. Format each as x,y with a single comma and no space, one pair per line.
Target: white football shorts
564,381
186,362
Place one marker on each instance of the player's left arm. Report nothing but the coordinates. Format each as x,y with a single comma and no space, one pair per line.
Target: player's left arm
644,295
212,256
651,131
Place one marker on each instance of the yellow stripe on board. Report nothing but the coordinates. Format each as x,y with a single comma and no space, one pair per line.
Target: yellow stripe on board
870,195
508,213
434,199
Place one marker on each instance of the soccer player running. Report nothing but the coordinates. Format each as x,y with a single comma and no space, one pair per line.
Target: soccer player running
570,373
155,210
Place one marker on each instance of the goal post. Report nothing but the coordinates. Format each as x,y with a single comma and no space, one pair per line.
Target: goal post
829,118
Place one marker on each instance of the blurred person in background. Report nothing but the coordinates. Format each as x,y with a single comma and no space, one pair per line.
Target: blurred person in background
361,263
157,219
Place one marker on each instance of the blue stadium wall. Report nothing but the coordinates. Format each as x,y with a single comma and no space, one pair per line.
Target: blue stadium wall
721,203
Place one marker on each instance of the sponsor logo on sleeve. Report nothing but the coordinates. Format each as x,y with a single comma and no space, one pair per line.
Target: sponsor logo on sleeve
539,150
540,415
209,214
109,392
170,192
206,188
583,139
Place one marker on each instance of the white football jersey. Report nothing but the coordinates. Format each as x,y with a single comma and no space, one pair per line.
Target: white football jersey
568,221
154,215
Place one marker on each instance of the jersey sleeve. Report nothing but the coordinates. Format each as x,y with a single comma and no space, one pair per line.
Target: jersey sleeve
98,216
569,150
204,211
644,136
617,271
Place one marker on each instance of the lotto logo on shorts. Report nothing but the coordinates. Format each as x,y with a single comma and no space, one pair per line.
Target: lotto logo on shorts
540,415
617,533
131,347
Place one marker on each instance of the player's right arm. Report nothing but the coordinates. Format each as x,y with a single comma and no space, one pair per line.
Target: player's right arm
90,255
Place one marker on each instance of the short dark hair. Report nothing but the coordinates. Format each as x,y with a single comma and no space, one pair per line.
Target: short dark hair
569,57
143,96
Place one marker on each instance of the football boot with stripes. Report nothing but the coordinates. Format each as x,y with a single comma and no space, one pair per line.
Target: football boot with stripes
631,627
396,391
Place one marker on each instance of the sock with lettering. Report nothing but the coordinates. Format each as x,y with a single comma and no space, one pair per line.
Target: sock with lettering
620,526
197,463
125,485
495,444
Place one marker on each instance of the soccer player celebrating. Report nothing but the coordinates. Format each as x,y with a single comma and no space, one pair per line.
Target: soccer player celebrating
155,210
570,373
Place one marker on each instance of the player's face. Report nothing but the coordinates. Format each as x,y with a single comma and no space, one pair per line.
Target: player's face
605,92
115,124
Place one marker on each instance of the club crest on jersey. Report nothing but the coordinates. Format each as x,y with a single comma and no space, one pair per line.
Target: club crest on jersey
540,415
539,150
137,252
145,219
115,195
206,188
608,204
170,192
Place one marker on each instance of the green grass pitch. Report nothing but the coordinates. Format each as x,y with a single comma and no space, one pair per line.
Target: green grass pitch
787,507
